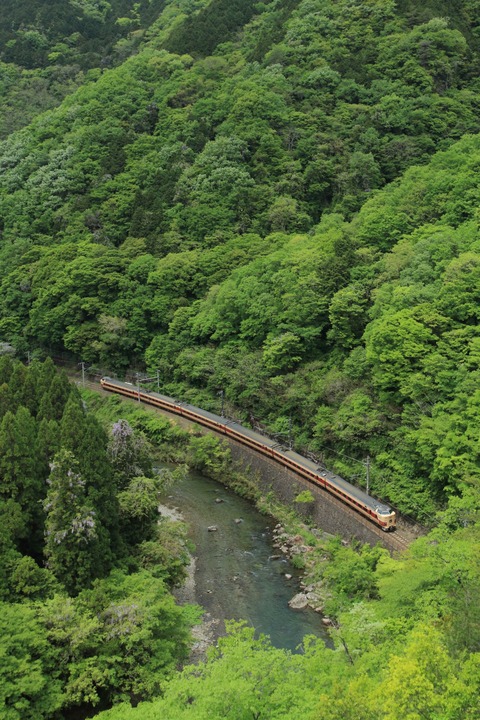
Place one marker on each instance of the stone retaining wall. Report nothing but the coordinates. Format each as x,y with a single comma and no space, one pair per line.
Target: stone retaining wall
327,513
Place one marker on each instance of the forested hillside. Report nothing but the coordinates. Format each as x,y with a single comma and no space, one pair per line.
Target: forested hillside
48,48
221,217
278,203
85,565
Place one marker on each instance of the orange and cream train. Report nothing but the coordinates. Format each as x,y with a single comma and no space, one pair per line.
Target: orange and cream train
377,512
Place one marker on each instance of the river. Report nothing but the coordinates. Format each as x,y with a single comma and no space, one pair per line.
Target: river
236,574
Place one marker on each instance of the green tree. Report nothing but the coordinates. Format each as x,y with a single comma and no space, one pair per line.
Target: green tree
129,453
72,547
21,473
29,685
138,504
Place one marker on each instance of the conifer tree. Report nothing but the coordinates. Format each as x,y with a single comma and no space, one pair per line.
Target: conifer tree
17,452
20,471
72,425
48,443
27,395
54,399
5,399
17,382
59,391
43,374
85,438
72,547
6,368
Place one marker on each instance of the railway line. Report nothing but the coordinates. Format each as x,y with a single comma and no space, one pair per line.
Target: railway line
395,542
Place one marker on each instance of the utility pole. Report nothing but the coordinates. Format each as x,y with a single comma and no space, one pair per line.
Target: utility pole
290,435
82,365
367,466
158,380
222,395
138,385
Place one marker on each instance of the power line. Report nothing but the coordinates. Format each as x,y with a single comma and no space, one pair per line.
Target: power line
335,452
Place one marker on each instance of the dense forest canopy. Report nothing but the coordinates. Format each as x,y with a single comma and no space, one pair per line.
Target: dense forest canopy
48,48
242,216
276,202
86,612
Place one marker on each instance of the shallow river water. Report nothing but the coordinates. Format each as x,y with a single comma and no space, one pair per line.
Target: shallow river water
236,576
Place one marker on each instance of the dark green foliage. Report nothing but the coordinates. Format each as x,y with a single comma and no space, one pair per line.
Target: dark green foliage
119,640
50,48
73,533
216,23
133,217
62,529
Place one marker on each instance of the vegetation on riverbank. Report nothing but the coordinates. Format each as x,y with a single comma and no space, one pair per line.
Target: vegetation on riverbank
397,621
275,203
86,568
406,630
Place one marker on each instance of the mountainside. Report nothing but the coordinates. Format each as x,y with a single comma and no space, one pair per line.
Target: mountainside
169,211
48,48
275,206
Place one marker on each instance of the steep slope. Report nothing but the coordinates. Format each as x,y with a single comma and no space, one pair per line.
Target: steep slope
48,48
171,208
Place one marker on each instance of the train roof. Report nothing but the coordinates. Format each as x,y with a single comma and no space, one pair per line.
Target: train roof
332,478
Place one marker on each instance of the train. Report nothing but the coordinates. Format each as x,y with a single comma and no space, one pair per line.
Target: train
377,512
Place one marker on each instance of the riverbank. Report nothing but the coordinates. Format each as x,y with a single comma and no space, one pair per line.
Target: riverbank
335,572
236,572
206,632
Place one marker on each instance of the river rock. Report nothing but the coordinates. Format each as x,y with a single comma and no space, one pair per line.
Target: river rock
212,528
298,602
288,576
238,521
219,500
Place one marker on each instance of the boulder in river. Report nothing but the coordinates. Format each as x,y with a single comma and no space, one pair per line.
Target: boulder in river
298,602
212,528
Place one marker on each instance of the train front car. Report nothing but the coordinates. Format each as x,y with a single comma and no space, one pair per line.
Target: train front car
386,517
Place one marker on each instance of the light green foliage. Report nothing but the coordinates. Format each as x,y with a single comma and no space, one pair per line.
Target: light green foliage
29,687
136,217
138,508
305,497
243,678
121,639
166,554
352,574
208,455
135,221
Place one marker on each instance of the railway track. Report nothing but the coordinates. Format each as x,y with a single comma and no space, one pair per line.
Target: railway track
396,541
